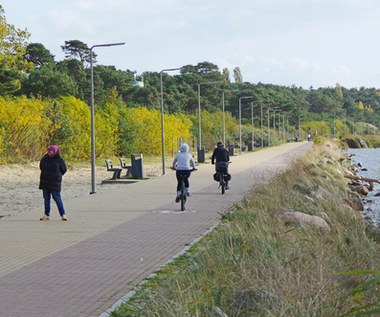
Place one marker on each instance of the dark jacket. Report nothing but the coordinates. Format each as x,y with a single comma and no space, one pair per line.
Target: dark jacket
220,154
52,170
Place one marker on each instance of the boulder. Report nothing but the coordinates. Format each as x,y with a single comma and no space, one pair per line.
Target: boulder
305,220
360,189
355,201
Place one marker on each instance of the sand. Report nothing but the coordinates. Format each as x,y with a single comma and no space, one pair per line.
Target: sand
19,185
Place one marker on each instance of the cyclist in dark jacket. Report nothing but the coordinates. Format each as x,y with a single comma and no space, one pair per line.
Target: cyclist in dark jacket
52,167
221,159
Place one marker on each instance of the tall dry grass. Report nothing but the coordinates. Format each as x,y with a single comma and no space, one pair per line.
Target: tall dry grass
254,264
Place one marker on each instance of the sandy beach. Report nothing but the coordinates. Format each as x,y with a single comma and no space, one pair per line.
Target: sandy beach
19,185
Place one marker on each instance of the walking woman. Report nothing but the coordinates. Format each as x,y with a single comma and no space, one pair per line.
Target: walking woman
52,167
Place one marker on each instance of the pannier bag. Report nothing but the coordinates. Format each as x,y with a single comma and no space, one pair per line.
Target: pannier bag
227,177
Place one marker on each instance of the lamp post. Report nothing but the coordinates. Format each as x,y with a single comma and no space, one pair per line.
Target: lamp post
223,120
274,120
93,177
253,128
162,117
268,127
261,126
199,116
223,115
240,139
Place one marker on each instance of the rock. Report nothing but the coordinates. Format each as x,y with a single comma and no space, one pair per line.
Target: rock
369,186
305,220
354,201
320,192
360,189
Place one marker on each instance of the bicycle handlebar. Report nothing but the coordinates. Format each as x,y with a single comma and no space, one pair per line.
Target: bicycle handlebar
192,170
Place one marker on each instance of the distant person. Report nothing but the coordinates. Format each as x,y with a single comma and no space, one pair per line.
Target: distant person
308,137
221,159
183,163
52,167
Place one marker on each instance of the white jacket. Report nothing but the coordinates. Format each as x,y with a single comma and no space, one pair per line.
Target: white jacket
184,160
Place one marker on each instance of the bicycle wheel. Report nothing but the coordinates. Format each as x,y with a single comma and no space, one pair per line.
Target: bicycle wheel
183,196
222,183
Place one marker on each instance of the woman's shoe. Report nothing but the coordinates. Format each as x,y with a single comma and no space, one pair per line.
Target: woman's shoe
64,218
44,218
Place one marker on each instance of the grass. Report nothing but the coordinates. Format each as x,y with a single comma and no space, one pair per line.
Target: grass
254,264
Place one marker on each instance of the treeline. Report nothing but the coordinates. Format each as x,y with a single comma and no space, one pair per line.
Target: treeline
28,125
32,82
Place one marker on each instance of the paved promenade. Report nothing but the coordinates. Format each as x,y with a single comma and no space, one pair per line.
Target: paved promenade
114,240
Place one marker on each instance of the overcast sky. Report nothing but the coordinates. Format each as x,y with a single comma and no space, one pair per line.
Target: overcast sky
304,43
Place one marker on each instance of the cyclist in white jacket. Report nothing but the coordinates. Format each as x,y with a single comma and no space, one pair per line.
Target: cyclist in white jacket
183,163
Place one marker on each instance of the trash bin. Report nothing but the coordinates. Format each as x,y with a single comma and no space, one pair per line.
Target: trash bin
201,154
251,146
137,170
231,149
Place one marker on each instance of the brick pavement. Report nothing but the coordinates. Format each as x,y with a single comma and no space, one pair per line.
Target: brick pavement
113,240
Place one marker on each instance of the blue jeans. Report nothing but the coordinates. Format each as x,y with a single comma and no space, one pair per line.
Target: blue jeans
57,198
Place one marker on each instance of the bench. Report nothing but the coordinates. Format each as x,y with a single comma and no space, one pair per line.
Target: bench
116,170
125,166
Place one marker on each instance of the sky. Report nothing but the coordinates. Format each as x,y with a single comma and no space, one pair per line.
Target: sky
305,43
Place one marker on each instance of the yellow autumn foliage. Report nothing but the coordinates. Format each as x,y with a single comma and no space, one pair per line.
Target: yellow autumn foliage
146,127
24,128
29,125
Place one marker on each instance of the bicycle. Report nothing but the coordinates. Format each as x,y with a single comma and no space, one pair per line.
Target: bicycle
183,195
220,176
222,182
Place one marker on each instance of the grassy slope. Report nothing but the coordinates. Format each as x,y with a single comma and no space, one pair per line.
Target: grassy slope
254,264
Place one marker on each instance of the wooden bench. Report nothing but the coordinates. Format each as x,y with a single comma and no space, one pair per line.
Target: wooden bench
125,166
116,170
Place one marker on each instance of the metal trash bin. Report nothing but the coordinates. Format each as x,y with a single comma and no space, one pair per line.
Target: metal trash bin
251,146
137,169
201,154
231,149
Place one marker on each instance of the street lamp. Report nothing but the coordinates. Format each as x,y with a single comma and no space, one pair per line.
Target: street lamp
162,118
223,115
253,128
274,120
262,122
199,116
93,186
240,141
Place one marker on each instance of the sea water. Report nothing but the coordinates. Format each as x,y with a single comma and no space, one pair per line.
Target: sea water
370,167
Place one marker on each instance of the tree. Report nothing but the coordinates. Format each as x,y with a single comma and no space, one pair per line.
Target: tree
75,69
75,49
13,65
48,82
226,75
10,80
237,75
38,54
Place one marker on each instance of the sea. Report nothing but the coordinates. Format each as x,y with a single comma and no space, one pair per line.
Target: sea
369,160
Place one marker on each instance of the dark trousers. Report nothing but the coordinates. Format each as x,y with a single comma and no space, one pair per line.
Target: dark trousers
221,167
185,174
